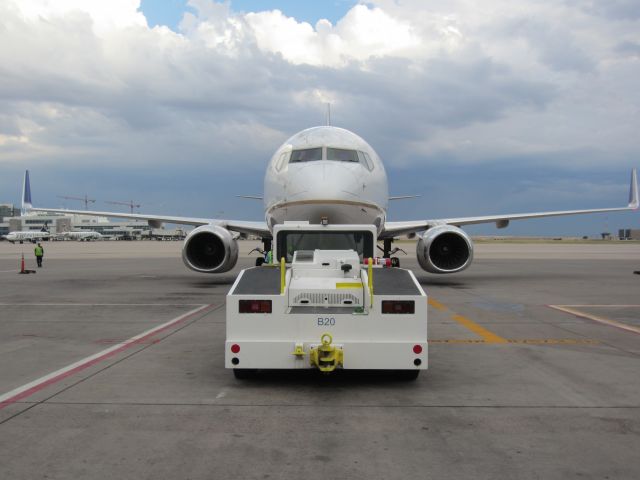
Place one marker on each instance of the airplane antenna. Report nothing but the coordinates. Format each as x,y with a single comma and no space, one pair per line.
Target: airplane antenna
328,114
86,200
129,204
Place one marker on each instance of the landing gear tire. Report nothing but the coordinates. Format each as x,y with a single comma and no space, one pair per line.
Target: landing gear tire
407,375
395,262
244,373
259,261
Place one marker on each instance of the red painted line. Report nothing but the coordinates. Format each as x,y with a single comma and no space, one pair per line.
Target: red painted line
91,361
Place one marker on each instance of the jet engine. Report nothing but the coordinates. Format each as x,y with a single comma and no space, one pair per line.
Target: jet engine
210,249
444,249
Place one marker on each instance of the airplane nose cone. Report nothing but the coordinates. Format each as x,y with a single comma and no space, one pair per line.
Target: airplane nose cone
328,180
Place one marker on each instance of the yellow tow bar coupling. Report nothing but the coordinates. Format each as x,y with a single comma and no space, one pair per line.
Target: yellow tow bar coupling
326,357
298,350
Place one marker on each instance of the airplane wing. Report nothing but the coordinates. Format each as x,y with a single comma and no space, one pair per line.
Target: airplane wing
251,228
394,229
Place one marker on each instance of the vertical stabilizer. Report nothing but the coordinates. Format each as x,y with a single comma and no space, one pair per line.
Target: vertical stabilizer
633,190
26,194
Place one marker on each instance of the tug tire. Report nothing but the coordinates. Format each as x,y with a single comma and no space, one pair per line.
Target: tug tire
407,375
244,373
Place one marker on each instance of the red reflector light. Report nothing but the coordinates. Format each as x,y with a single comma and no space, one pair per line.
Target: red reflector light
254,306
235,348
398,306
416,349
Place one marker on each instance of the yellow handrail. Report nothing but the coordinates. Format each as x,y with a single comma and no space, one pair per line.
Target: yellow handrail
370,278
283,272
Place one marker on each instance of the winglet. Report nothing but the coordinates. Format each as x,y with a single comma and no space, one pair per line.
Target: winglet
633,190
26,194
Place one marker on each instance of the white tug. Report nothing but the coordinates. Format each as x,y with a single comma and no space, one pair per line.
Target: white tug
326,308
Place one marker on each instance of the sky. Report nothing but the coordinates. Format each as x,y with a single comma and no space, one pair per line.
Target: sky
480,107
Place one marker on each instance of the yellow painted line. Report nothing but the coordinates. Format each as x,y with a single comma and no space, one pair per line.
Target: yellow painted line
489,337
596,318
555,341
437,305
348,285
522,341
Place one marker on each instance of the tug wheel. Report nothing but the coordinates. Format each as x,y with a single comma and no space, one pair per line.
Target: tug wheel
395,262
407,375
259,261
244,373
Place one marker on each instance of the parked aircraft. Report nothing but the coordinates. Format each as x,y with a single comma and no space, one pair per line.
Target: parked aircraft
32,236
329,174
80,235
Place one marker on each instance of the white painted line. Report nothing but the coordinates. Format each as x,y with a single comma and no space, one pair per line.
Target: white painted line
30,388
600,306
595,318
100,304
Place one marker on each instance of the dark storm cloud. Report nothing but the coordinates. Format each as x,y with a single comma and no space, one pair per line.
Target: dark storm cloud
623,10
553,42
628,49
203,110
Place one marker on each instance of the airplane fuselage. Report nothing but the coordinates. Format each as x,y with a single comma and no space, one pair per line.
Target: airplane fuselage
81,235
26,236
326,172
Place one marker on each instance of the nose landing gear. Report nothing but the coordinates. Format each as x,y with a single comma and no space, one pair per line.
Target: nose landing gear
387,252
265,258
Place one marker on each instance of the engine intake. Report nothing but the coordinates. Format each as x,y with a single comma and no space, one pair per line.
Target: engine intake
444,249
210,249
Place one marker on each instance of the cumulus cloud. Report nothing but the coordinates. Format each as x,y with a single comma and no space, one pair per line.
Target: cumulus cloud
85,82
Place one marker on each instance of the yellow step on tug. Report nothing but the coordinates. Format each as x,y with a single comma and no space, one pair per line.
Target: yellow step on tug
325,306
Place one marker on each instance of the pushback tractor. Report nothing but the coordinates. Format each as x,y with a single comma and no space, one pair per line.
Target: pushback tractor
325,305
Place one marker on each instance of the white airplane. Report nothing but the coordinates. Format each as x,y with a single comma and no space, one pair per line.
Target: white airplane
80,235
329,174
27,236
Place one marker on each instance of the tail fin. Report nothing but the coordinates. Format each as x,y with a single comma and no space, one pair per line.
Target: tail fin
633,190
26,194
45,227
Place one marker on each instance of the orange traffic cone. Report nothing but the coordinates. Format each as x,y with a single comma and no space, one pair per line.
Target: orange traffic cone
22,269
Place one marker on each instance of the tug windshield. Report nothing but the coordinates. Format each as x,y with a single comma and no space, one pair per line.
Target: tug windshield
291,242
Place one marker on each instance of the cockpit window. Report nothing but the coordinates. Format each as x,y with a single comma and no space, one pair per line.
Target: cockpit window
342,155
306,155
281,161
365,159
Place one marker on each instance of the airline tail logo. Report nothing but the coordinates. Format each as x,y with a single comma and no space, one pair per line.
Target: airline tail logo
26,194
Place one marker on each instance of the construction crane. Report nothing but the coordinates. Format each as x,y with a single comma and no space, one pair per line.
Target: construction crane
129,204
84,199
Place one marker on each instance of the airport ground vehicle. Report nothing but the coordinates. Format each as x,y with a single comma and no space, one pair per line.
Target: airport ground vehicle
320,307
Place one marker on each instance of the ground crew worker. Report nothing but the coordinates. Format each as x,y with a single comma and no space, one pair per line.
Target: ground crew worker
39,251
269,257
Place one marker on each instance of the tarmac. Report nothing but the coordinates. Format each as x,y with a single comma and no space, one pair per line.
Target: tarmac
111,366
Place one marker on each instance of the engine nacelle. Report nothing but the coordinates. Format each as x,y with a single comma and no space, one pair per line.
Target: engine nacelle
210,249
444,249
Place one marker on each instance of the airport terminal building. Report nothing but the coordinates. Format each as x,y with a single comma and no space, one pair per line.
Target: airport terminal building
11,221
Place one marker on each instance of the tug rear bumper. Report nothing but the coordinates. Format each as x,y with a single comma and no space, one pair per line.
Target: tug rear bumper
355,355
264,330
